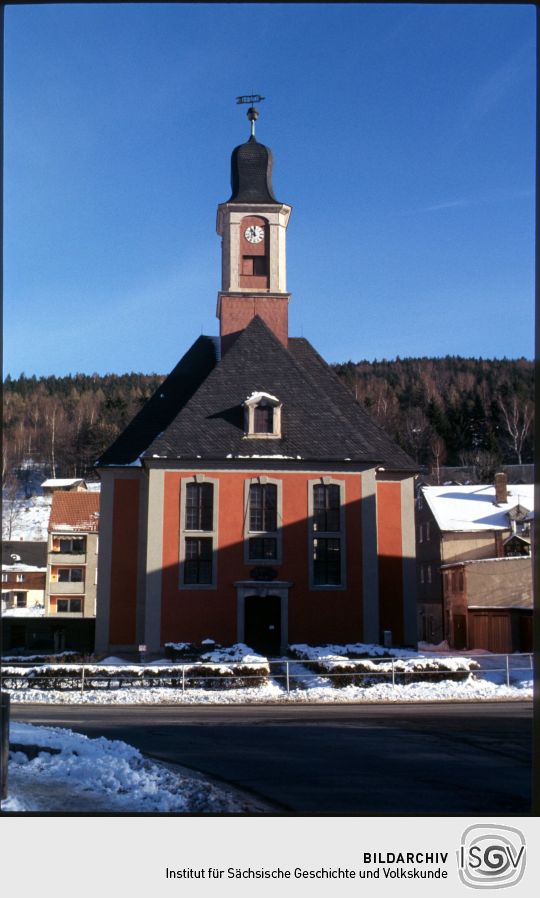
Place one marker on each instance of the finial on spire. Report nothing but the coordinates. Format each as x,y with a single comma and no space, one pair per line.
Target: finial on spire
252,113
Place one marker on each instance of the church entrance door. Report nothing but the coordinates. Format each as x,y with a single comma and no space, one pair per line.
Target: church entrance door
263,624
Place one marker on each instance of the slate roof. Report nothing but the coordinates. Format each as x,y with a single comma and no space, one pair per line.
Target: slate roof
251,174
321,420
31,552
75,511
164,405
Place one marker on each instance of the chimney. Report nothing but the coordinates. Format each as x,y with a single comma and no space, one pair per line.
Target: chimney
501,492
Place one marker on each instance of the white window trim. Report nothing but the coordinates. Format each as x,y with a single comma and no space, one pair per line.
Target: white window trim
249,417
203,534
270,534
314,534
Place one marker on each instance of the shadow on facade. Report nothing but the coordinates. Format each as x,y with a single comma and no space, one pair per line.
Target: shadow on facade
314,586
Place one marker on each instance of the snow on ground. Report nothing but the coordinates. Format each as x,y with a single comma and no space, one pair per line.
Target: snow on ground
70,772
66,771
26,519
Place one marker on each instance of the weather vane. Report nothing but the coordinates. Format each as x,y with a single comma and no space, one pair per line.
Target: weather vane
252,113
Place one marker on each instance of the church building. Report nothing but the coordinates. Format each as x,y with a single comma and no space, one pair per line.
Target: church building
252,499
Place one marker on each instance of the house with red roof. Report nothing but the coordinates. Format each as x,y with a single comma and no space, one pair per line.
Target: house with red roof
72,555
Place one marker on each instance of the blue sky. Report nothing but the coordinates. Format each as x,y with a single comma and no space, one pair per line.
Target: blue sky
403,137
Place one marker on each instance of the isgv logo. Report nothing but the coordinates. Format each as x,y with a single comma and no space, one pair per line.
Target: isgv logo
491,856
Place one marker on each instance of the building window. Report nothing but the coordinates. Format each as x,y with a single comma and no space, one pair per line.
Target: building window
198,533
69,606
20,599
420,533
326,562
262,416
427,531
20,578
428,572
326,508
421,573
263,419
327,533
199,506
69,545
70,575
198,561
5,578
262,533
254,265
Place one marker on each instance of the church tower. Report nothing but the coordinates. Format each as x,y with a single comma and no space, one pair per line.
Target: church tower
252,225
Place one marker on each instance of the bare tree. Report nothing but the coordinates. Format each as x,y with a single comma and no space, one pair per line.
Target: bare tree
417,432
12,506
518,418
437,448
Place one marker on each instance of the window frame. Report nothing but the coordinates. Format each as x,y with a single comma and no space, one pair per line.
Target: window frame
70,571
69,600
263,534
339,535
266,401
186,534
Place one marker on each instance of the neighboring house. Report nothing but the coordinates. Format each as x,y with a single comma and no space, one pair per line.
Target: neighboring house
464,523
24,567
489,604
252,499
72,568
66,484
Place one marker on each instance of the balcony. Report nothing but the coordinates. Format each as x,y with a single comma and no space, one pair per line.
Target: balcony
67,558
66,589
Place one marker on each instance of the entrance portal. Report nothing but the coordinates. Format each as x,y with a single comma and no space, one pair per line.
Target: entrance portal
262,631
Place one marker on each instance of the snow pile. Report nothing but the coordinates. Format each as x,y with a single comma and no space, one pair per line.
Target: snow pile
351,649
103,774
324,659
237,653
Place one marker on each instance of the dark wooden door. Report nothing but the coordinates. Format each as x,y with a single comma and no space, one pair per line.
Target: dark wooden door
263,624
460,631
490,630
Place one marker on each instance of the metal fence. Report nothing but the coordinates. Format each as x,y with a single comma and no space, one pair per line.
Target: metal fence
288,673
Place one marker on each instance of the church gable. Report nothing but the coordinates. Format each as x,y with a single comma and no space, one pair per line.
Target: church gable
318,418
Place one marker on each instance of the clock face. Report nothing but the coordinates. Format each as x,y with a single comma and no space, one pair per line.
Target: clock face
254,234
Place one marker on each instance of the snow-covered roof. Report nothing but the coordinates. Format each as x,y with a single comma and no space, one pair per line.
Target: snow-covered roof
59,483
258,396
18,567
473,508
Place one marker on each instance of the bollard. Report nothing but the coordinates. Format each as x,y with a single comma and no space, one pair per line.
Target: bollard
4,752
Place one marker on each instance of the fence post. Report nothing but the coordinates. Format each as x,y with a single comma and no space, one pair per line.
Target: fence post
4,715
287,676
393,674
507,672
82,679
183,677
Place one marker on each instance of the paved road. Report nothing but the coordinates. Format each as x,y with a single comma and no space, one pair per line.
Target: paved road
442,759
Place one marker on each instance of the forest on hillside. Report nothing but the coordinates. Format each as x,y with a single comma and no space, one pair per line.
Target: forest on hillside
442,411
